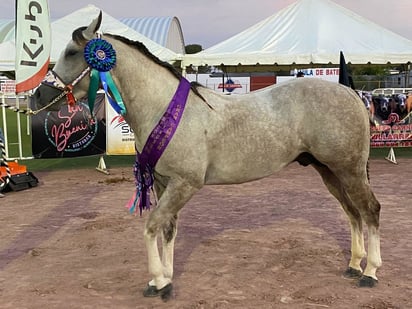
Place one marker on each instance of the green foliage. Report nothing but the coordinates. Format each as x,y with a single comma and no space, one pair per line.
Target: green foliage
369,70
193,48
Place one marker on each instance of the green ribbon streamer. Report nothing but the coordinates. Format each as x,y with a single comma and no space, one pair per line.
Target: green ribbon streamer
108,84
93,87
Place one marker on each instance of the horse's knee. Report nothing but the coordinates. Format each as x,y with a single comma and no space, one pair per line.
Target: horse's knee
150,230
169,229
372,212
161,222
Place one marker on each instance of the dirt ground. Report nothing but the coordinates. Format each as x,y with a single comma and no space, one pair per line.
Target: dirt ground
281,242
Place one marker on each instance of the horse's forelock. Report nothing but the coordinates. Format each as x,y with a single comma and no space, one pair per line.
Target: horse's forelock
77,35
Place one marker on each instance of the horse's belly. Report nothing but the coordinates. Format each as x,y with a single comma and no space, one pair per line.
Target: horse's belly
245,174
233,169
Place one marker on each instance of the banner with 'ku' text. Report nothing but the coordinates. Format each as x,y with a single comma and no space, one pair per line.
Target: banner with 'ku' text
33,43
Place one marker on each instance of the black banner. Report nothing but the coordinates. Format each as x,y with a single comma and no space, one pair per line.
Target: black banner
69,132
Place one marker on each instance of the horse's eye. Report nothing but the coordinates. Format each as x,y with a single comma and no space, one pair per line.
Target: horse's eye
71,52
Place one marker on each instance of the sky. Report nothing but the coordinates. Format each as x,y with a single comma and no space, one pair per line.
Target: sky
208,22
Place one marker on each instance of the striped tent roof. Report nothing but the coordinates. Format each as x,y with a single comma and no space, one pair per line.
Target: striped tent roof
6,30
62,30
165,31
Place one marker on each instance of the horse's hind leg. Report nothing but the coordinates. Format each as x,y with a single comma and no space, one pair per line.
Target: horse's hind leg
361,195
357,241
359,200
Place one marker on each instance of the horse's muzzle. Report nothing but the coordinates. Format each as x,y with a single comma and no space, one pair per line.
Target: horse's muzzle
44,95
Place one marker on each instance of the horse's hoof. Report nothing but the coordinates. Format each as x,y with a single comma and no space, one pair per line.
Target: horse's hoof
352,273
368,282
165,293
150,291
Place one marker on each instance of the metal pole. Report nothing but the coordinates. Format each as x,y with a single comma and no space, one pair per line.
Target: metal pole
6,144
19,129
223,78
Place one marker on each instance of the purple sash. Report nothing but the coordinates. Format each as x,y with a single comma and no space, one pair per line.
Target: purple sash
155,145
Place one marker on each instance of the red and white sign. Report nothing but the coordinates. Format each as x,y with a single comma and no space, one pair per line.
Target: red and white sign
8,86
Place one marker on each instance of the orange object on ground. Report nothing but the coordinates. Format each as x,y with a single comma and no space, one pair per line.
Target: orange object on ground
14,167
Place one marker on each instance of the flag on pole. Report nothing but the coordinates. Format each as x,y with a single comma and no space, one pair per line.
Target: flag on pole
344,77
33,43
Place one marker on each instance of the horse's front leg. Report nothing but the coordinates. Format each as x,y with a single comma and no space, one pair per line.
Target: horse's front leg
168,243
163,219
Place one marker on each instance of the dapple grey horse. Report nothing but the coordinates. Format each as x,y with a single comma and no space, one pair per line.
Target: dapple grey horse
231,139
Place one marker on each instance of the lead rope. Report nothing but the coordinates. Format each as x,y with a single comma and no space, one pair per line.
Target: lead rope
17,110
31,112
66,91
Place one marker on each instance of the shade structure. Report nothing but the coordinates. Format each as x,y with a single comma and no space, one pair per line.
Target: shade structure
309,32
62,31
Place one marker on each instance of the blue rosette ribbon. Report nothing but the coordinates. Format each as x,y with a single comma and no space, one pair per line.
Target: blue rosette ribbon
101,57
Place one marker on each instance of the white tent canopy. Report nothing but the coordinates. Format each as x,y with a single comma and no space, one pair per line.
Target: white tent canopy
309,32
62,31
7,54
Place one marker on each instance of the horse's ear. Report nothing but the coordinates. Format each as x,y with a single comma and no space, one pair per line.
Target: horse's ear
88,34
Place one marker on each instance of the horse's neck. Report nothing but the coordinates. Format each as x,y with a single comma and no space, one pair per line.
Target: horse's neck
146,88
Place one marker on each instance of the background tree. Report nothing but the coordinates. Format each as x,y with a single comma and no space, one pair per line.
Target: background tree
194,49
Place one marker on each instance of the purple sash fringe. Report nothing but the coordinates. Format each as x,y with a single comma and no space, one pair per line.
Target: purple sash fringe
155,145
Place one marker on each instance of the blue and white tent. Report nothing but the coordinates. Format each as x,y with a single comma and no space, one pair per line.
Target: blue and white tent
62,30
164,30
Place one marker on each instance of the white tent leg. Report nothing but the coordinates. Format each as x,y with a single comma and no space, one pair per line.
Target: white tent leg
391,156
101,167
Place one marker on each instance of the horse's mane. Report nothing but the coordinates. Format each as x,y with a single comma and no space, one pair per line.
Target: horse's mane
143,49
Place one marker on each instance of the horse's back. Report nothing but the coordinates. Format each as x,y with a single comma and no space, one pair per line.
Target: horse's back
301,97
257,134
330,118
313,94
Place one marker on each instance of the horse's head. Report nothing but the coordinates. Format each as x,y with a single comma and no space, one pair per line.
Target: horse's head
70,76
